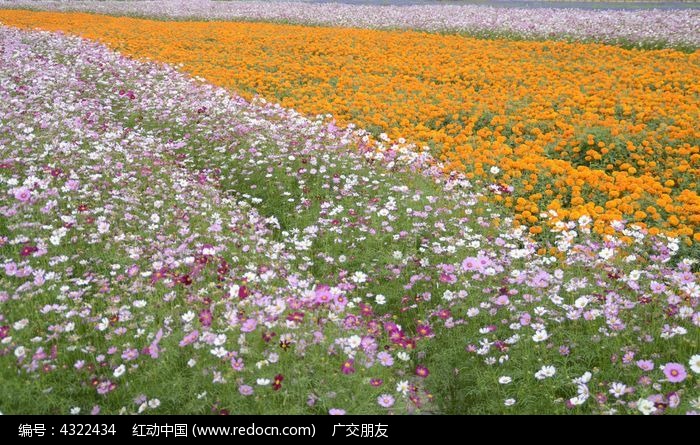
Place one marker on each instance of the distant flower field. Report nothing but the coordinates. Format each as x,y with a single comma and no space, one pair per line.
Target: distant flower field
635,27
168,246
583,130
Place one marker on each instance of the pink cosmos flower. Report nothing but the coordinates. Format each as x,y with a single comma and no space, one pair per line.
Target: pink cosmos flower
470,264
525,319
249,325
23,194
237,364
336,412
245,390
675,372
501,300
645,365
386,400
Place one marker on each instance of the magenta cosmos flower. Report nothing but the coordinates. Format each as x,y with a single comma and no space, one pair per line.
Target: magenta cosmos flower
675,372
422,371
348,367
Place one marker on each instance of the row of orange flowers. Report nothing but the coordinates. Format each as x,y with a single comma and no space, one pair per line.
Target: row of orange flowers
582,129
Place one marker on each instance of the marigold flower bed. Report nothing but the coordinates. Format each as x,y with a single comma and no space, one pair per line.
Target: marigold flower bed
582,129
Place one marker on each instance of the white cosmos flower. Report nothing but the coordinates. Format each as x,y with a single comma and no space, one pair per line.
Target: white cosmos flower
262,382
576,401
617,389
583,391
359,277
380,299
694,363
635,274
354,341
121,369
509,402
402,387
219,352
20,351
504,380
606,253
545,372
581,302
645,406
585,378
103,227
540,335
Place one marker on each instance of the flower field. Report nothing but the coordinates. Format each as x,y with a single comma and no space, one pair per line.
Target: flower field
565,144
168,246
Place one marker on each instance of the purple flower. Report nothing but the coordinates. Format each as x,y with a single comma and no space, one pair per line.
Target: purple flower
130,354
385,358
189,338
245,390
645,365
675,372
336,412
